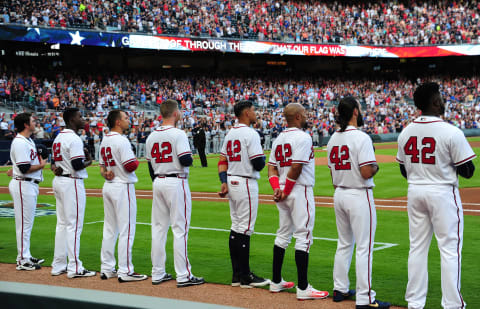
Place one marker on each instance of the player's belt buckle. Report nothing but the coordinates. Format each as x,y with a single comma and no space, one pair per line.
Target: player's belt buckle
241,176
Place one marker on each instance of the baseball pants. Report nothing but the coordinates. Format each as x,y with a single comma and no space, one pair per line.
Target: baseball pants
24,194
120,209
356,219
70,206
297,218
434,209
243,199
172,205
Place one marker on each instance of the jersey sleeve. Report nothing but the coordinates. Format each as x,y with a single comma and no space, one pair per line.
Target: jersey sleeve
148,147
366,155
100,157
223,151
272,160
22,153
182,147
254,147
400,153
126,152
302,149
76,149
460,149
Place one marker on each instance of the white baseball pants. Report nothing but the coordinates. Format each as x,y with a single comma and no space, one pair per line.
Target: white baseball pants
120,210
356,219
172,205
24,194
70,206
435,209
243,199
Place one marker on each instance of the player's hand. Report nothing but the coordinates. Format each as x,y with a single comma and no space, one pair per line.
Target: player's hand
109,175
88,157
10,173
57,170
277,194
284,196
223,190
42,161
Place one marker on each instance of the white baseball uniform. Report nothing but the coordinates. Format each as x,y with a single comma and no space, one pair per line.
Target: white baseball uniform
430,150
24,191
172,202
241,145
69,192
355,212
120,204
297,211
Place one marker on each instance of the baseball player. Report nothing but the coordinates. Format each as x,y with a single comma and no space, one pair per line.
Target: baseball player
352,164
27,174
431,153
117,165
70,160
241,160
169,156
291,172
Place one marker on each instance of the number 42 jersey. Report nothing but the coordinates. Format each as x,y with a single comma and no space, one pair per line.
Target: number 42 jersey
294,146
348,151
241,145
115,153
163,148
431,149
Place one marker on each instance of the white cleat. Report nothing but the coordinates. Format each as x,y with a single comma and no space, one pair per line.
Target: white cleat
282,286
310,293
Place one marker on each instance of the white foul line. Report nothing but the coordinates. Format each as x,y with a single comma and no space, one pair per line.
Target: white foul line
383,245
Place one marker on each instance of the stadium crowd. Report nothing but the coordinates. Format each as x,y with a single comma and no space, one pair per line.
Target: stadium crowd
207,103
344,22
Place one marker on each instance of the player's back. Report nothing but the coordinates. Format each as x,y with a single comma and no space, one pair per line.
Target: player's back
294,146
66,147
163,148
348,151
241,145
430,149
115,153
24,151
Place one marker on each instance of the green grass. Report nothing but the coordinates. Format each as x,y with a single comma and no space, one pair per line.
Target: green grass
208,250
389,182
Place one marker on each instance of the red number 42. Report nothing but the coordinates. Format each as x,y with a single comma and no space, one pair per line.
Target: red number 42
427,150
339,155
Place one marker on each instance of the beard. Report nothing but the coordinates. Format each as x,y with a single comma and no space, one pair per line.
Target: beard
360,122
442,110
304,125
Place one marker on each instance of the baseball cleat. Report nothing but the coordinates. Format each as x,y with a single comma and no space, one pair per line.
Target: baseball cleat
84,273
252,280
236,280
108,274
132,277
28,266
58,273
310,293
192,281
282,286
167,277
36,261
375,304
339,296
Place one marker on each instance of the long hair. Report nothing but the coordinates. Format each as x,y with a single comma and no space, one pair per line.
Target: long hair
345,112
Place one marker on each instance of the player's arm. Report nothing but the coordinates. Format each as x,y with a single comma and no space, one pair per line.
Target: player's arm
292,176
466,170
27,168
403,171
150,170
222,174
369,170
186,159
258,163
274,182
